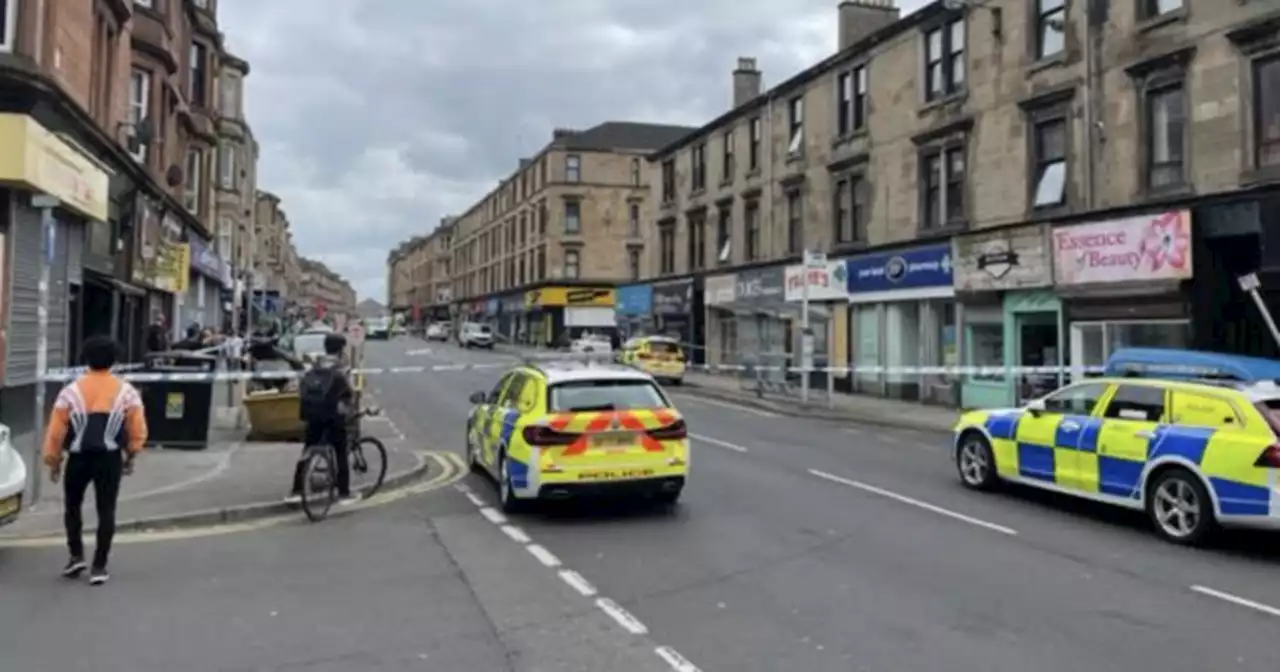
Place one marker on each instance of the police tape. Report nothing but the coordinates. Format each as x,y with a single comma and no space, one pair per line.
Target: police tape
66,375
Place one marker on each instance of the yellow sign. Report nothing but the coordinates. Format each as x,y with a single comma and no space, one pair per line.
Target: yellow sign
571,296
175,406
35,158
172,267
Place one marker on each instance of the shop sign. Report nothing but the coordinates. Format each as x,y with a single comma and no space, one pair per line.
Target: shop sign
445,295
170,269
721,289
37,158
571,296
673,298
915,268
491,307
1007,259
634,300
760,285
1145,247
205,260
827,282
513,304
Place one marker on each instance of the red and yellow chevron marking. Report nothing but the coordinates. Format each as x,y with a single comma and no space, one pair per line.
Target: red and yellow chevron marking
595,422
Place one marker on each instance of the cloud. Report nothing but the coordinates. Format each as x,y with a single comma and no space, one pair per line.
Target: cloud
377,118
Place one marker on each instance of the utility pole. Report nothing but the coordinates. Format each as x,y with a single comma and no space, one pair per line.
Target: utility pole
49,241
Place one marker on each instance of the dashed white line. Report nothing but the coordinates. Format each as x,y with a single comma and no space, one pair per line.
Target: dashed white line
677,662
517,535
475,500
578,583
1237,600
462,487
914,502
493,516
734,407
622,616
543,555
717,442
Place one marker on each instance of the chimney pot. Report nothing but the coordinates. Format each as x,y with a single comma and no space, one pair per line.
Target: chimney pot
746,81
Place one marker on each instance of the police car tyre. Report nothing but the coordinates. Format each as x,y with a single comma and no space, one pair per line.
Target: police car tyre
506,494
319,487
976,462
1180,507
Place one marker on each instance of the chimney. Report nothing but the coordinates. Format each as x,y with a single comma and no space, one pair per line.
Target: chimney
746,82
860,18
561,133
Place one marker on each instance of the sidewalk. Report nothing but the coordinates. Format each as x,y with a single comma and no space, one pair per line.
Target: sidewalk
232,480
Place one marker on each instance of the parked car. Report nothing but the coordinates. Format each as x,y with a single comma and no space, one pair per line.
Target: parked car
475,335
378,328
437,331
13,479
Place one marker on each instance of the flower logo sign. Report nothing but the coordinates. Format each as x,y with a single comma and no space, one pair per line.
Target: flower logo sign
1136,248
1167,242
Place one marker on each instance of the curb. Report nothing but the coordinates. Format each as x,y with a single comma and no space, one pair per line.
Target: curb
813,412
231,514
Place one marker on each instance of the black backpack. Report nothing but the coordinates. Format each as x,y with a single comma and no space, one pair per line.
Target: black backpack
318,393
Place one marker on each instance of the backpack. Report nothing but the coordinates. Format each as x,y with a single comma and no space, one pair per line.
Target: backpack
318,394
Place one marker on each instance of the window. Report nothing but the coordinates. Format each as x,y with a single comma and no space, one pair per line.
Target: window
986,350
192,187
724,235
613,395
542,263
633,220
572,217
849,209
228,96
726,159
1166,135
1266,106
227,166
1154,8
1142,403
542,219
795,125
753,144
752,220
698,166
139,109
635,173
199,92
667,247
1049,149
1051,26
633,264
697,222
852,91
144,3
669,181
944,60
1076,399
573,168
944,186
202,4
524,228
795,222
8,24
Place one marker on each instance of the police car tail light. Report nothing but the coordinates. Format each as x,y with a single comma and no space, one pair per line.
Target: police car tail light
1270,457
675,430
536,435
643,355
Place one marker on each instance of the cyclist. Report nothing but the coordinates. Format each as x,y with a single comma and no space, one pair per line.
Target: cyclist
326,403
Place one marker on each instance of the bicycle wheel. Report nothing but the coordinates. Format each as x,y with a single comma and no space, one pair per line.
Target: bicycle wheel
319,484
369,461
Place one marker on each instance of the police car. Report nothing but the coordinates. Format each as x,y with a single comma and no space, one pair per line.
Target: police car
1193,455
566,428
13,479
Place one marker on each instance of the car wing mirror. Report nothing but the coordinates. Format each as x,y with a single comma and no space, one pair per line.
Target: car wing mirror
1036,406
478,397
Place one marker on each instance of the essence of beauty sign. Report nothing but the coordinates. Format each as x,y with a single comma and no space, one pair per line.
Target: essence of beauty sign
1147,247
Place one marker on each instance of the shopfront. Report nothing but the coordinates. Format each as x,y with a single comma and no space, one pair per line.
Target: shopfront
753,326
902,317
204,294
828,294
634,310
1121,282
563,313
676,313
721,344
511,317
1011,317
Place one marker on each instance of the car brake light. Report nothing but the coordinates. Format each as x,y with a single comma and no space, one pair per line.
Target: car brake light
1270,457
643,355
538,435
675,430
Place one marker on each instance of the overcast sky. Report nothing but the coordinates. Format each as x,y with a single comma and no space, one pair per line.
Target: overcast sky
378,117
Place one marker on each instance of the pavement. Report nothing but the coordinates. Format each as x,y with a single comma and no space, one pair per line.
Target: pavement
801,544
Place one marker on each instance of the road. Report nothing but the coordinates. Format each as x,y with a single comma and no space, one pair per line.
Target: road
799,545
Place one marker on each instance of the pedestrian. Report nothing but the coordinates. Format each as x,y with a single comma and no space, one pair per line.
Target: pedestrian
158,335
99,423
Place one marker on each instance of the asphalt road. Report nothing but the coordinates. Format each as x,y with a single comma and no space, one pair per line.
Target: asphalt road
799,545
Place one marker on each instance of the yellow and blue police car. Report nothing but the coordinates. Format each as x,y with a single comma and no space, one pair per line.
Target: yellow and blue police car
659,356
568,428
1192,455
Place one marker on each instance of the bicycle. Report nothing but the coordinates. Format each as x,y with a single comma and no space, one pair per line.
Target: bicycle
319,478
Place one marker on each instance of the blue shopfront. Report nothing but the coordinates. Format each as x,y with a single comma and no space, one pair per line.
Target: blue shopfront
902,318
634,310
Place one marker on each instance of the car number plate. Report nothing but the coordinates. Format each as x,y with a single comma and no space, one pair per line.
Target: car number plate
614,475
10,505
613,441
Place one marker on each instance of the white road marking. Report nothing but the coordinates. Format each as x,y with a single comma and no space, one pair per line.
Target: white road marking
543,555
419,351
462,487
579,584
1237,600
717,442
622,616
475,500
915,502
517,535
493,515
732,407
677,662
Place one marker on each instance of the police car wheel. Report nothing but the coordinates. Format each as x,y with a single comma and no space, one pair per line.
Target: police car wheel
976,462
506,494
1180,507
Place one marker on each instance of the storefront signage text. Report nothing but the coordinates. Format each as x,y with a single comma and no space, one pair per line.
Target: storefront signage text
205,260
1008,259
829,283
720,289
1146,247
571,296
37,158
917,268
635,300
673,299
763,285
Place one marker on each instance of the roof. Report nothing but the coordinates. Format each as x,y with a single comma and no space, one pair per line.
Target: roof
612,135
569,370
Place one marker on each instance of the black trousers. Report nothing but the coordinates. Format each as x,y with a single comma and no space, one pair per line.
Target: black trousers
103,470
334,434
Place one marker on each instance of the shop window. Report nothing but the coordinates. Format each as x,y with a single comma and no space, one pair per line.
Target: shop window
1093,342
1142,403
986,349
1075,400
728,339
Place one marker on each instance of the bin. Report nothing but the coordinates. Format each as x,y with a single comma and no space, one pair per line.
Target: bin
178,411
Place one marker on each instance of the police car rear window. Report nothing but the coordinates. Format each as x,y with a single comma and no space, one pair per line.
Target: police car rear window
664,347
604,395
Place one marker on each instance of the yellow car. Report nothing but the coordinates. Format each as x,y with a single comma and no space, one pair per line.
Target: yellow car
562,429
1192,455
659,356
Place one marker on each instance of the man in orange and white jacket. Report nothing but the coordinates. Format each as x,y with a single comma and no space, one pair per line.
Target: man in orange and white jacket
99,424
